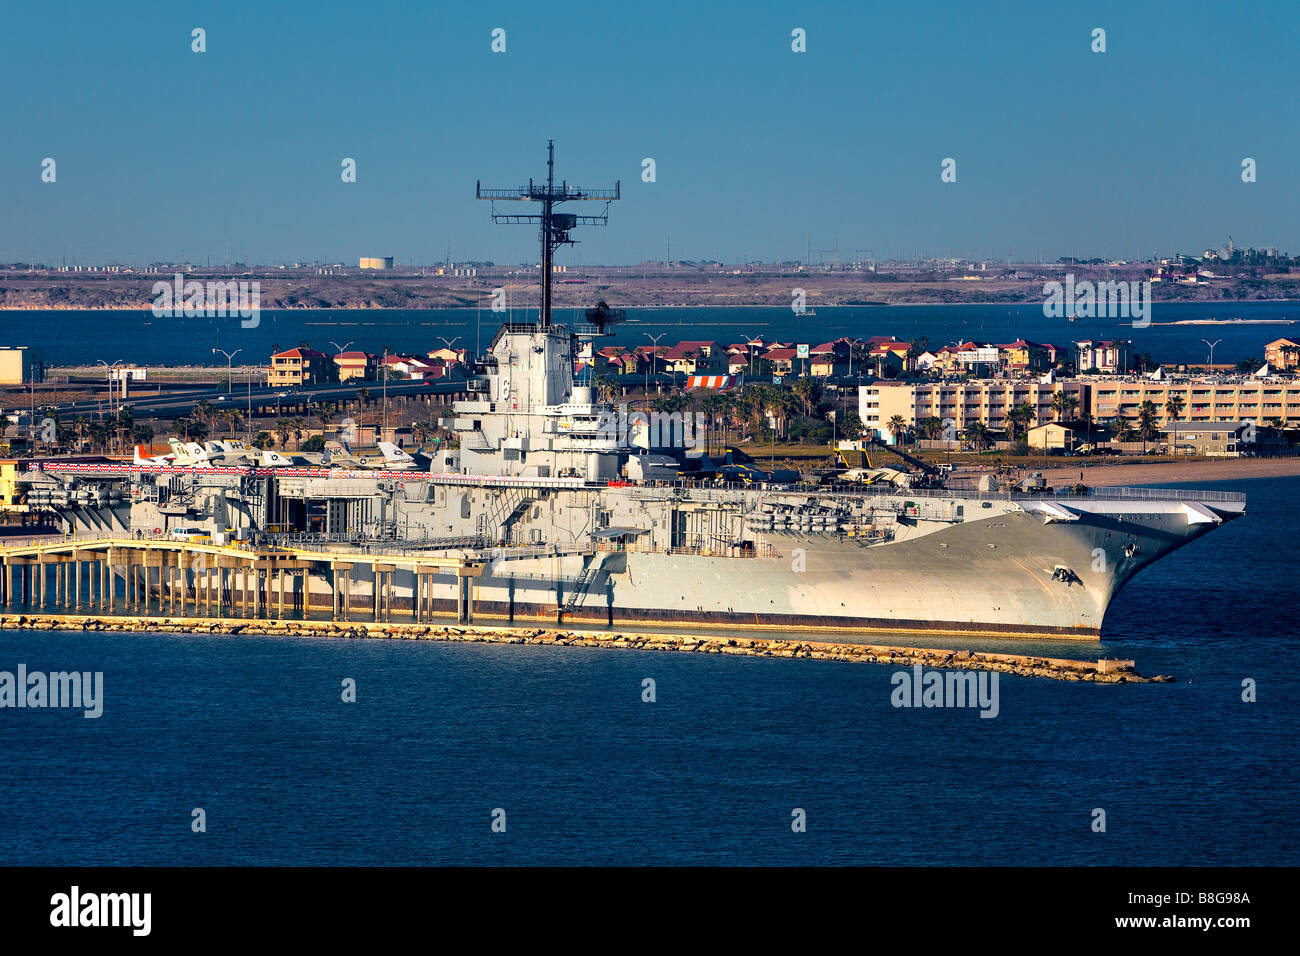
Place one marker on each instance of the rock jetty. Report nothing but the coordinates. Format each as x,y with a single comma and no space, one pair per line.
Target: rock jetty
1104,671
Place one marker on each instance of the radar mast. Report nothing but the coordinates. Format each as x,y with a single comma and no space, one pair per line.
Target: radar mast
555,226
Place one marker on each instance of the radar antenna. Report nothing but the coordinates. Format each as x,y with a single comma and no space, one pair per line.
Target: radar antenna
602,316
555,227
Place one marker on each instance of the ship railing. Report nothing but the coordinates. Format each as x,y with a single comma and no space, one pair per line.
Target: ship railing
508,552
353,544
702,491
1147,494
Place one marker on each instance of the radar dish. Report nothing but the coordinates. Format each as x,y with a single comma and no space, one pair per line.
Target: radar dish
603,316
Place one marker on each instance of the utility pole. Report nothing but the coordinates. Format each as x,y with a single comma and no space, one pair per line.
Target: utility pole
1211,345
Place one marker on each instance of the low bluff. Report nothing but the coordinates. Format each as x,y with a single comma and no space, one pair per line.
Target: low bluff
1103,671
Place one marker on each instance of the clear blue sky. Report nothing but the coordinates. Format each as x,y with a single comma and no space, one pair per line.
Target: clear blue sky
166,154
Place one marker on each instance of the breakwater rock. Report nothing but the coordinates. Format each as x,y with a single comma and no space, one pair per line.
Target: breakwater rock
1105,671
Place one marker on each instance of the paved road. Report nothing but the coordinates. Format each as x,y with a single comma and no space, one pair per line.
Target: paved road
180,403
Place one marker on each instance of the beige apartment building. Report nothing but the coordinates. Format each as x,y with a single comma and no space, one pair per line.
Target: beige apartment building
15,365
985,401
300,366
1283,354
1204,400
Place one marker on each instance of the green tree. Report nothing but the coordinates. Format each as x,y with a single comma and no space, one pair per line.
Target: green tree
808,392
850,425
1174,405
977,434
606,387
1063,405
714,407
1147,423
1018,420
931,428
897,427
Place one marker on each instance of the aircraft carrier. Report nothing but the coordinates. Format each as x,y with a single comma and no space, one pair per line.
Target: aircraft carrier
571,509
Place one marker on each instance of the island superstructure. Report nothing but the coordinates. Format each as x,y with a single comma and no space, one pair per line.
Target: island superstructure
574,509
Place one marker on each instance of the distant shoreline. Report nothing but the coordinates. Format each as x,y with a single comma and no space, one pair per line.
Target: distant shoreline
709,305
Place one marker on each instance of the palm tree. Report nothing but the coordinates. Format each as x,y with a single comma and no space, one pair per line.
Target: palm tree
896,427
777,404
1063,405
673,402
1147,425
858,353
931,428
123,423
977,434
1174,405
283,427
233,420
1123,430
298,425
851,425
421,431
606,387
1018,419
808,392
747,409
714,407
203,412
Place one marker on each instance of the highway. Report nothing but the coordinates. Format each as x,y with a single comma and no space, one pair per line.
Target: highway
182,402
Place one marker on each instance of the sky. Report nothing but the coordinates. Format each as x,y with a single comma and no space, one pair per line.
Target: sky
761,153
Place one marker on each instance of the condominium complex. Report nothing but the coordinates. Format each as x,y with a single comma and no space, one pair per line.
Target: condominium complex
985,400
1262,400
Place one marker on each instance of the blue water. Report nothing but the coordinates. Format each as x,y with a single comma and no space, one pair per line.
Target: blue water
76,337
253,731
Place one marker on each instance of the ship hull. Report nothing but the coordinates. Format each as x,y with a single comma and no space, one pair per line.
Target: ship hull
1013,574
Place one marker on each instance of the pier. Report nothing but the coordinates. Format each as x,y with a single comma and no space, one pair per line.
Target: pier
183,578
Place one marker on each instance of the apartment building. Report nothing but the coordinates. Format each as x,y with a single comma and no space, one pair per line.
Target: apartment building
1282,354
300,366
983,400
355,364
1204,400
1112,357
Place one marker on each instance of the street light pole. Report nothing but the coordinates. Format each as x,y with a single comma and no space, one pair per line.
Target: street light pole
108,377
230,360
654,339
1211,345
385,425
